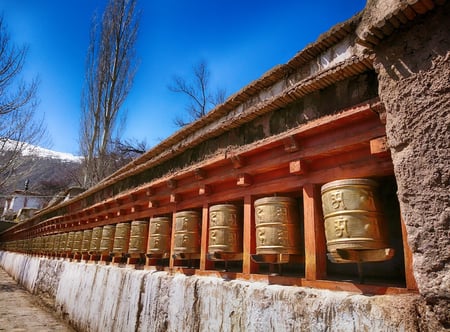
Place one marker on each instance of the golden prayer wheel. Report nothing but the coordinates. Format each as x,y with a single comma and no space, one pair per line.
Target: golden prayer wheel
225,233
107,242
49,244
77,241
159,237
277,226
354,224
62,242
187,234
56,240
38,244
94,246
121,238
70,240
86,242
138,237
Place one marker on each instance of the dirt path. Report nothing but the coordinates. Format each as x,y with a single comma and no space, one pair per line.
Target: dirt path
20,310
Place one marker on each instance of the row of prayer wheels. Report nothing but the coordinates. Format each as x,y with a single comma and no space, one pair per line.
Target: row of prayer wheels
354,230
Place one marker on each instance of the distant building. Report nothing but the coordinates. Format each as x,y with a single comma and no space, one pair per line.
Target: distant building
21,200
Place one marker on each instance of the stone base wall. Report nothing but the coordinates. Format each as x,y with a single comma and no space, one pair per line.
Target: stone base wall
107,298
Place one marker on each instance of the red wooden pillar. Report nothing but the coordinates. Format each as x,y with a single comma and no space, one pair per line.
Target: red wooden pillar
315,244
204,263
172,241
409,274
249,245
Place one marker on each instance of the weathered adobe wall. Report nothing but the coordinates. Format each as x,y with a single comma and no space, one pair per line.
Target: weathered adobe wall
106,298
414,84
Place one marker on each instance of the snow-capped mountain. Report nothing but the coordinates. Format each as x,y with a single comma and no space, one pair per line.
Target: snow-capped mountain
33,150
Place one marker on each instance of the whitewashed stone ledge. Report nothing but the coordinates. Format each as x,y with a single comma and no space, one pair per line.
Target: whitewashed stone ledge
104,298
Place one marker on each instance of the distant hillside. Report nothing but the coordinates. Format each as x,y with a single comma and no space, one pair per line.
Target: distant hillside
48,172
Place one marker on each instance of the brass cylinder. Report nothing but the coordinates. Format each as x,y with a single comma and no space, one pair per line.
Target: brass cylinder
277,226
159,236
107,242
94,246
225,234
187,233
138,237
353,219
39,244
77,241
70,240
121,238
62,242
49,244
86,242
56,240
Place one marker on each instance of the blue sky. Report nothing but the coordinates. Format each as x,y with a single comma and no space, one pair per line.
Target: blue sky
240,40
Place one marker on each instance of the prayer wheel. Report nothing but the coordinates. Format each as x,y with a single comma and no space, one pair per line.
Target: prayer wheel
225,233
354,223
107,242
94,246
277,223
138,237
77,241
186,235
38,244
49,244
159,237
70,240
121,238
86,242
56,240
62,242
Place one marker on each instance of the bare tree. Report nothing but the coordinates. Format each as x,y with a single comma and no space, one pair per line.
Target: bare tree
198,91
18,102
110,69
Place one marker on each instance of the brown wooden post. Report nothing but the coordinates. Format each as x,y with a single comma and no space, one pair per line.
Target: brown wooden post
172,241
249,245
204,263
409,271
315,244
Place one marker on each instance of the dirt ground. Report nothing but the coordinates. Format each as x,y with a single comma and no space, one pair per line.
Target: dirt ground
21,311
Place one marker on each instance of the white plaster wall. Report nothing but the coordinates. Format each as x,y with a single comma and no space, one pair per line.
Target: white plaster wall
104,298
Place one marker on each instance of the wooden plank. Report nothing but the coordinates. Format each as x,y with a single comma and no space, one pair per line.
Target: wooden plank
172,242
379,147
409,270
315,244
204,263
249,245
